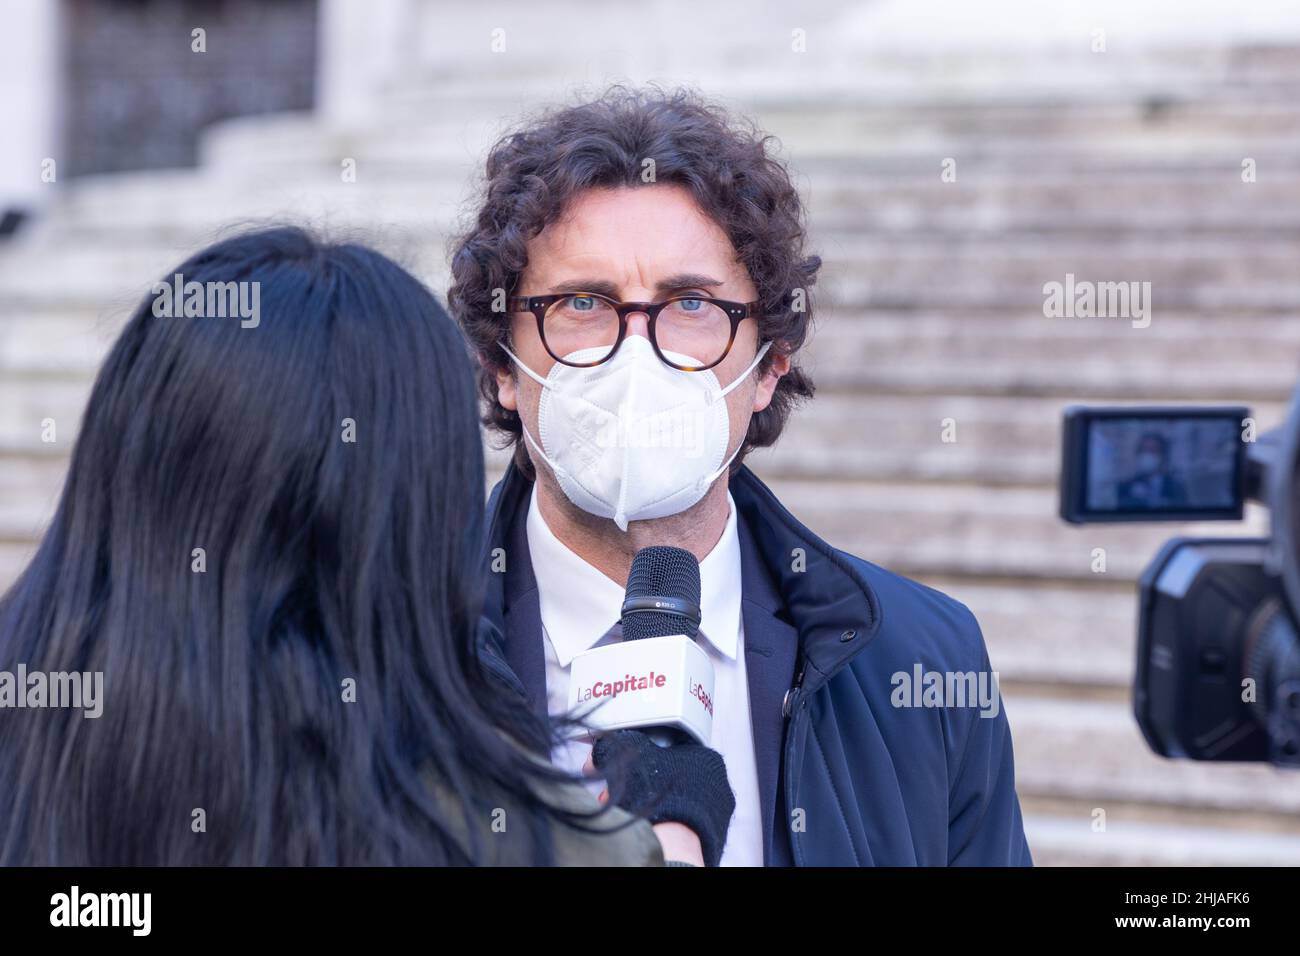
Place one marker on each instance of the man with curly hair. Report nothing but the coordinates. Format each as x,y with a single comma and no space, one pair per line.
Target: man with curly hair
636,287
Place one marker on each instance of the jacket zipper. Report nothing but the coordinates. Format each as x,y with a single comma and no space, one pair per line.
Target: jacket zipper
794,712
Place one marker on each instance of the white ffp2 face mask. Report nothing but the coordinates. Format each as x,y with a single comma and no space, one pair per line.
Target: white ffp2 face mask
632,439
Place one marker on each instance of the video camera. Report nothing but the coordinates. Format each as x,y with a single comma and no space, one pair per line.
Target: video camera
1218,657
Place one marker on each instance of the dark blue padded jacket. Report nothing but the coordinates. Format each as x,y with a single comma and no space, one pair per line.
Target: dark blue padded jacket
855,769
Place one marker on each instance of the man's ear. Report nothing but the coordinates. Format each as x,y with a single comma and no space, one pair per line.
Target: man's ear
507,390
779,365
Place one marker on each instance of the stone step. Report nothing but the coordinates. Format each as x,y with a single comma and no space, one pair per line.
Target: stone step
861,64
189,209
898,148
1080,375
999,439
450,135
1074,637
192,205
1176,334
998,202
1071,841
26,402
14,556
1038,162
1174,122
30,484
956,273
1092,750
456,130
1270,379
958,529
1021,352
63,344
110,279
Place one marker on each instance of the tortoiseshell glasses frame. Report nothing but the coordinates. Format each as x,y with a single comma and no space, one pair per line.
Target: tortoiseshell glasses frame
736,312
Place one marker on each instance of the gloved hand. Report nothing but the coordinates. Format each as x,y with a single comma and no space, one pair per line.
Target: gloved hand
685,783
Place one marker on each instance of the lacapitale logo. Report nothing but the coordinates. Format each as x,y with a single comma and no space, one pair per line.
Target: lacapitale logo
628,684
699,693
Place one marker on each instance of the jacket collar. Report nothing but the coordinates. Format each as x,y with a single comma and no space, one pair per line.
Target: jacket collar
827,599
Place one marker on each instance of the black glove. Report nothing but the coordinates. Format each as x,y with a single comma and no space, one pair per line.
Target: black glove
685,783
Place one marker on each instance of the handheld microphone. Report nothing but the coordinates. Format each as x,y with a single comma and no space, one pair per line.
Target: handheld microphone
658,678
663,594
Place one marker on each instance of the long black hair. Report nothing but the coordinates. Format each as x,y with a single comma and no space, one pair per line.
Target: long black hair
270,544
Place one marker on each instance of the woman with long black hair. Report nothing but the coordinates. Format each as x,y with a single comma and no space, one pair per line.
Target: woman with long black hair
269,546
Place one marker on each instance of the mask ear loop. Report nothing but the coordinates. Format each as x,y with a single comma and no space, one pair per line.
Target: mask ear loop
537,446
723,393
529,372
725,465
740,378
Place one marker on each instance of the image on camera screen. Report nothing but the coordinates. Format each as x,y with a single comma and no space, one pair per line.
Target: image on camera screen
1158,465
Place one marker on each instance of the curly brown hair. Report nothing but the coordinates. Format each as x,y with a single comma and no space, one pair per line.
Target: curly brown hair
533,173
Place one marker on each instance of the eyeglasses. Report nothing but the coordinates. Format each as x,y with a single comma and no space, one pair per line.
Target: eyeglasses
697,327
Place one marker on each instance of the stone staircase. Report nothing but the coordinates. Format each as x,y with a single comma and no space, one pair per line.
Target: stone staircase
930,309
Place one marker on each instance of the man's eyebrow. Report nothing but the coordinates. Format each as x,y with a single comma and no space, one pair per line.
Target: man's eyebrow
680,280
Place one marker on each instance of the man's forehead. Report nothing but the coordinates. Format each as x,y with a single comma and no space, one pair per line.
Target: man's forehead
649,227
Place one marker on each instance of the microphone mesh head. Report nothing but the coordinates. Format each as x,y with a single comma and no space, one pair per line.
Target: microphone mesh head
665,572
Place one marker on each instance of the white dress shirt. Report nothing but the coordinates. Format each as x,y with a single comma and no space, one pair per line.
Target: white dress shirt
579,604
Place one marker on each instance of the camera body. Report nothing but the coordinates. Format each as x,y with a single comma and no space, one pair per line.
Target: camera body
1218,657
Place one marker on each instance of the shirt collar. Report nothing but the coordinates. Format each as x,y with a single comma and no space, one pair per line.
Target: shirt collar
579,604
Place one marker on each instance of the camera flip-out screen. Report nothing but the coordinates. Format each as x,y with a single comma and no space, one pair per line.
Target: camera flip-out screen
1153,464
